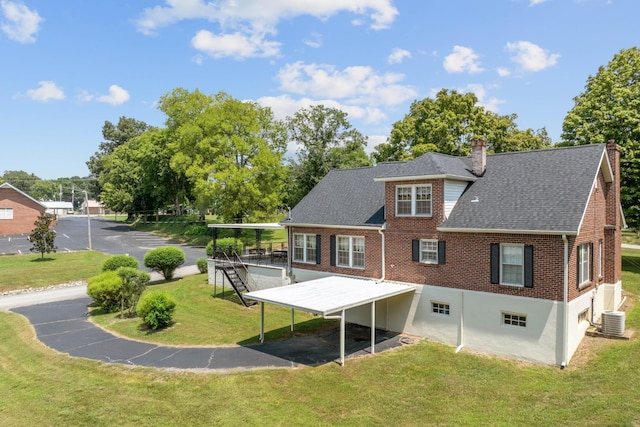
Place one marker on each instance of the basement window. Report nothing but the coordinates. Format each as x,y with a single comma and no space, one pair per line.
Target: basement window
512,319
440,308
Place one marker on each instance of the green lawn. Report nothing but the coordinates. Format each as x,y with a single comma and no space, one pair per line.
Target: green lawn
31,271
201,319
422,384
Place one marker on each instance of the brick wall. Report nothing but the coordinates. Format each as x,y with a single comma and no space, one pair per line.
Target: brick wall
25,212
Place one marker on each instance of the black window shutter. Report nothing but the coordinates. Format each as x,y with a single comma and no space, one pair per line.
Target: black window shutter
442,252
318,249
495,263
415,250
332,248
528,266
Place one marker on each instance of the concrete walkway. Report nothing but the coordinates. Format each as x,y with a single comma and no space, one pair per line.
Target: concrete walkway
60,319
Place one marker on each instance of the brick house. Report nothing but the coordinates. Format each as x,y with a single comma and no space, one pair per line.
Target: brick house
512,254
18,210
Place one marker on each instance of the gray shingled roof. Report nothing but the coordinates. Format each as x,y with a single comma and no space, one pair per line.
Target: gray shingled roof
433,164
543,190
345,197
538,191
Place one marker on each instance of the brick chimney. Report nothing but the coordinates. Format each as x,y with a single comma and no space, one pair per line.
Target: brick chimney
613,227
478,156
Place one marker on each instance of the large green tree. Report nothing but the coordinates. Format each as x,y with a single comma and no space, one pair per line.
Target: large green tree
447,124
114,136
230,151
20,179
609,108
325,140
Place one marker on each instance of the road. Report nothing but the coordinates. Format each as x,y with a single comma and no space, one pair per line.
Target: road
108,236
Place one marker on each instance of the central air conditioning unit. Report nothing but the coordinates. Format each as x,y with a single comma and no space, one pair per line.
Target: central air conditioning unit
613,322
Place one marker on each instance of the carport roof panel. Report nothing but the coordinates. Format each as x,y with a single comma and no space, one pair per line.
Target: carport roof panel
329,295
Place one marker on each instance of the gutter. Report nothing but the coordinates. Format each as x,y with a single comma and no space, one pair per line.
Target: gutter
383,257
565,303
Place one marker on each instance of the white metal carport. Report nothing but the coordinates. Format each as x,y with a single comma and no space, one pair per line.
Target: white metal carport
329,297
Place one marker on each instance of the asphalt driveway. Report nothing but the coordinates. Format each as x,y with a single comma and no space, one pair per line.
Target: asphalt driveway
64,326
108,236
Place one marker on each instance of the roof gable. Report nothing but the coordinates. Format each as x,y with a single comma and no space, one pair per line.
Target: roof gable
11,187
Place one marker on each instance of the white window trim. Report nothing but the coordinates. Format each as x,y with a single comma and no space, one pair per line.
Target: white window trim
583,260
514,320
600,258
306,238
440,308
6,213
428,261
351,239
502,282
413,200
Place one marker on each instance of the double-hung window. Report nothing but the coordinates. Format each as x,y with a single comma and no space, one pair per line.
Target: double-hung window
413,200
6,213
304,248
512,264
350,251
429,251
584,263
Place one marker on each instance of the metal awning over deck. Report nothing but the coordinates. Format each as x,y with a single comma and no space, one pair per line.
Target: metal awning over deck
329,297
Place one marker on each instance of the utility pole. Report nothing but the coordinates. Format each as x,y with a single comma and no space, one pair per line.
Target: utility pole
73,196
86,201
60,199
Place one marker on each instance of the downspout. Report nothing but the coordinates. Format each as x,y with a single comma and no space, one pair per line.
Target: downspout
565,302
384,261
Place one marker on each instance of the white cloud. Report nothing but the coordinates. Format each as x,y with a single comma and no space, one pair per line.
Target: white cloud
398,55
117,96
19,23
314,40
236,45
358,84
463,59
536,2
503,72
531,57
47,91
489,103
245,24
234,13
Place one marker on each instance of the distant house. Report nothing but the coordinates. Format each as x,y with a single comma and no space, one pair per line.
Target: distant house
18,210
58,208
512,254
93,207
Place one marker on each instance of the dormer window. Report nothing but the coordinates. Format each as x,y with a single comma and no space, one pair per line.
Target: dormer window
413,200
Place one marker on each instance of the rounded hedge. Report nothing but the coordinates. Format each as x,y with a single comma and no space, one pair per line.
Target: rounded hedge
156,309
106,290
116,261
203,265
165,260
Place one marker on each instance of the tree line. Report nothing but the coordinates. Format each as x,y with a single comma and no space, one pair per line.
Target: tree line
222,155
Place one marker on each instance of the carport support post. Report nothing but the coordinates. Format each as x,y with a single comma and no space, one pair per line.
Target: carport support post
342,338
373,327
292,320
261,321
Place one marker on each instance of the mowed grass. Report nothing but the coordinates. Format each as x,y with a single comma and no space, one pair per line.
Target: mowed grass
201,319
422,384
32,271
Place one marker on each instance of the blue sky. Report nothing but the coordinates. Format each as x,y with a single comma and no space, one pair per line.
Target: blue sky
70,65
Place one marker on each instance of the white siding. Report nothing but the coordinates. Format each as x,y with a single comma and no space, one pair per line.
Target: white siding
452,192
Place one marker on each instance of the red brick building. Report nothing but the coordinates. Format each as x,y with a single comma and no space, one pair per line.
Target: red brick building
513,254
18,210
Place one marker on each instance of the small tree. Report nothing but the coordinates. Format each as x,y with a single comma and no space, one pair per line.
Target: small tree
164,260
42,237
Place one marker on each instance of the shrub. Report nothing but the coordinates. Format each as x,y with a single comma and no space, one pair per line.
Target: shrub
164,260
134,283
116,261
106,290
156,309
202,264
226,245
